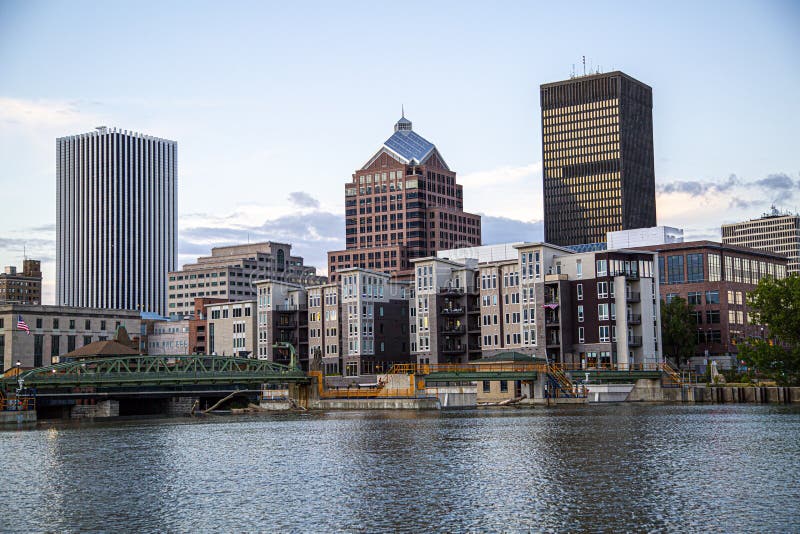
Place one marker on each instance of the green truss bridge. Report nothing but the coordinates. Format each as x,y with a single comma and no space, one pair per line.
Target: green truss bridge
142,371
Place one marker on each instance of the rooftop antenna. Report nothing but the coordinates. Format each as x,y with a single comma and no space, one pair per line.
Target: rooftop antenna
584,65
402,111
572,73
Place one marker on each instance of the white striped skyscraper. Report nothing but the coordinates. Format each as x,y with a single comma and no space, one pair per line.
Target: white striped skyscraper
117,219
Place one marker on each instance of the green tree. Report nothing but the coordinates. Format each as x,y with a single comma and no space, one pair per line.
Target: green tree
678,330
776,305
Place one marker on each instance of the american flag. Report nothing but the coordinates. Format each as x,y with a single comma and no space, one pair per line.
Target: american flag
22,325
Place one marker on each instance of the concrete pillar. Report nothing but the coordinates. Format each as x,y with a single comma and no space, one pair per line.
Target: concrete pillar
106,408
178,406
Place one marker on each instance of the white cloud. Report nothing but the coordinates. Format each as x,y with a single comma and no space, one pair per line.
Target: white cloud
508,191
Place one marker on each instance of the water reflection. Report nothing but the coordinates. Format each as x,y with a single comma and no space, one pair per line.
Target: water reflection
623,467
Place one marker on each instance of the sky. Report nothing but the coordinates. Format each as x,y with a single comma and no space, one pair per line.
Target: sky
274,105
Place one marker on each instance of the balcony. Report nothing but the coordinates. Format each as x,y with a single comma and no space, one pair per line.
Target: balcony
290,307
634,318
629,275
290,324
453,329
456,291
634,341
452,311
633,296
453,349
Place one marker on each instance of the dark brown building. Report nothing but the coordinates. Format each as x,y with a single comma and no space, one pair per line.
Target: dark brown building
597,149
24,287
404,203
715,279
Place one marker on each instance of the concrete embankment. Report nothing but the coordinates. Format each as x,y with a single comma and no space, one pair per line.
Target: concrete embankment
652,391
383,403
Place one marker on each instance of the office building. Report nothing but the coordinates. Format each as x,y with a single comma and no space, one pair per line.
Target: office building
597,149
403,203
22,287
57,330
774,232
644,237
169,338
714,279
229,273
116,219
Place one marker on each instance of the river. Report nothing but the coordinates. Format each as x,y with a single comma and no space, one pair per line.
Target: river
570,468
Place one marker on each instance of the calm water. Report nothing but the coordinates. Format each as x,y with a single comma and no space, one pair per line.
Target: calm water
620,467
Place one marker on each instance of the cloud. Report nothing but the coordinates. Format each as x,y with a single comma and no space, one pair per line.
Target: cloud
513,192
312,234
506,230
779,182
695,188
302,199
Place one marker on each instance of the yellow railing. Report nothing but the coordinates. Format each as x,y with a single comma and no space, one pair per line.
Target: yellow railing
428,368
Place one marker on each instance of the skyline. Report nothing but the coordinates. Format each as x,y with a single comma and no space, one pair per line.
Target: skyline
254,113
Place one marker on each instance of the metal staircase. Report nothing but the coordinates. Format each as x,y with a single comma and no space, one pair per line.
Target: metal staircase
561,384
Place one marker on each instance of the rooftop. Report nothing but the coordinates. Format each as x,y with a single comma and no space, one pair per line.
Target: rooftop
406,145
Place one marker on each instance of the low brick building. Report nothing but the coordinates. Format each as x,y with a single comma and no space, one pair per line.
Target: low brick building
715,279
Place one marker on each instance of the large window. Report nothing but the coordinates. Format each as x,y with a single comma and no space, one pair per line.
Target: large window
714,268
694,267
694,298
712,297
662,272
712,316
675,269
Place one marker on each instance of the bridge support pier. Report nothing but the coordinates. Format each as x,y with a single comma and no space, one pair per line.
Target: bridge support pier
179,406
106,408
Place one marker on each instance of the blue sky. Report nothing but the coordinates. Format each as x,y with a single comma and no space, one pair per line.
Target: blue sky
269,99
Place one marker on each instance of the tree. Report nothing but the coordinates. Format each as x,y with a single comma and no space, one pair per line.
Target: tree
776,305
678,329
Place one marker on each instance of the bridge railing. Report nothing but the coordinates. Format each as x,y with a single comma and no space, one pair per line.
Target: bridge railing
428,368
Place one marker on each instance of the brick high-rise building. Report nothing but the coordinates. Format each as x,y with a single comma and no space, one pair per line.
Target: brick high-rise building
404,203
24,287
597,149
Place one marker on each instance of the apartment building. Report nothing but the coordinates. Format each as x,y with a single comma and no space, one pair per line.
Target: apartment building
403,203
229,273
445,311
549,302
282,318
374,322
232,329
24,287
325,326
715,278
198,324
56,330
774,232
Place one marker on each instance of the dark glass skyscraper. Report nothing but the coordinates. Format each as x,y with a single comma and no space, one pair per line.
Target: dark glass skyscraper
597,150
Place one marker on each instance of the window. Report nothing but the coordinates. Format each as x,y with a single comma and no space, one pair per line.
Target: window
54,345
662,273
602,290
712,316
102,325
504,386
487,386
87,324
694,298
55,324
675,269
712,297
71,327
579,291
581,337
578,269
604,334
602,267
671,296
580,313
38,323
694,267
602,312
38,343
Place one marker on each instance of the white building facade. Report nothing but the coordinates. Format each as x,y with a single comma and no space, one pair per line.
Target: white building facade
116,219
